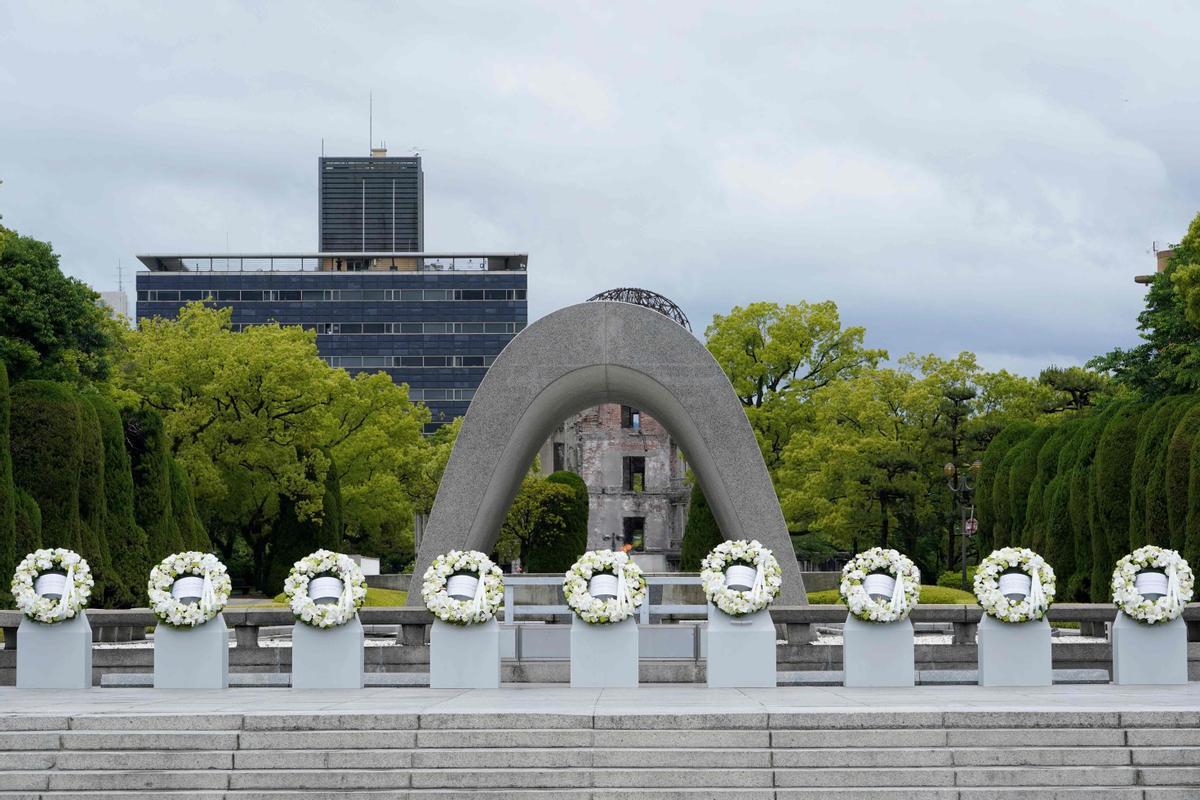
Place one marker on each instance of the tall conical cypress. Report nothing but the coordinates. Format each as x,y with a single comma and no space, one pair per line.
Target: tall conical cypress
1178,475
126,539
183,506
985,501
8,499
93,508
1113,464
1158,522
152,483
701,534
47,458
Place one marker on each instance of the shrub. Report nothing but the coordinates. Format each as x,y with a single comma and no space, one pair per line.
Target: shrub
1110,495
992,457
183,506
1020,479
930,595
1036,521
1158,515
126,539
575,518
27,523
1178,475
93,512
47,457
151,483
701,534
8,531
952,578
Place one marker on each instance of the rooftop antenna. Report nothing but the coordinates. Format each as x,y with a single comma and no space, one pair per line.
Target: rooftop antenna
370,121
120,278
322,147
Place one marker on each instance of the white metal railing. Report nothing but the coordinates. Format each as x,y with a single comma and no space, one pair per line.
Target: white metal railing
644,612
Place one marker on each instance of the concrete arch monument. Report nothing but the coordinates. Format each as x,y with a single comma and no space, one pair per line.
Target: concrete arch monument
581,356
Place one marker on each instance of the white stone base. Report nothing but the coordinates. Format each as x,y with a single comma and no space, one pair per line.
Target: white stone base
604,656
328,658
56,656
878,654
464,656
741,650
1014,653
1148,654
192,658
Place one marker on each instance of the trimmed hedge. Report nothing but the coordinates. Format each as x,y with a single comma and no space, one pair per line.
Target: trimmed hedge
8,500
1178,476
93,510
1110,492
992,457
574,541
292,538
46,431
27,523
151,483
1021,479
1158,525
126,539
701,534
183,506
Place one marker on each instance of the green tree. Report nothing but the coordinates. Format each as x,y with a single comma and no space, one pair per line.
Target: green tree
1077,387
183,506
1113,464
574,543
535,527
1168,360
127,544
50,325
1178,475
47,457
776,357
1037,522
150,466
93,510
1021,478
296,537
28,524
8,520
990,462
1079,503
701,534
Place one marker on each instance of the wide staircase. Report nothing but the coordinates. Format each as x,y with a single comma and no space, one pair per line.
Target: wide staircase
855,754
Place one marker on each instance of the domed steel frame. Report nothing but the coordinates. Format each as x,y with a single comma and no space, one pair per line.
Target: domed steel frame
647,298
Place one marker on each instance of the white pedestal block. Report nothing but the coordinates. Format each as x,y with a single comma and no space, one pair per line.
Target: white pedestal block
328,658
604,656
1146,654
741,650
1014,653
878,654
56,656
192,658
464,656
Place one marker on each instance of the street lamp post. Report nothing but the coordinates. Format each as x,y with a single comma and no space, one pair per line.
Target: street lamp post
959,483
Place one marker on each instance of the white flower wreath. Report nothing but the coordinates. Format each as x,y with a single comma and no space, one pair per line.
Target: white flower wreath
1041,587
489,592
905,596
768,577
76,593
631,587
1180,582
213,595
325,615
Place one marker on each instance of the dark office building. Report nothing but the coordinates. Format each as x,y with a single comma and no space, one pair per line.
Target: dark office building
376,301
371,205
433,322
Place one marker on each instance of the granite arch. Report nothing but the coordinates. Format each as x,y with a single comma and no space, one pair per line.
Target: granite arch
581,356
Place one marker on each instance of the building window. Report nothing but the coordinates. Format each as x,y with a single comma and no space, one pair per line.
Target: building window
635,532
631,418
634,478
560,456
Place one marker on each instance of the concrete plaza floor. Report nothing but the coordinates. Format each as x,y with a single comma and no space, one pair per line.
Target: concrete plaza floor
557,700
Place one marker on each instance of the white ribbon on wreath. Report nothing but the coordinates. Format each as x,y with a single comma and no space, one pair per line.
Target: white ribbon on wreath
1175,601
899,603
624,593
1037,594
68,595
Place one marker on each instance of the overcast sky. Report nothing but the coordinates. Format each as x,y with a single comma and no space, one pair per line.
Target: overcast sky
954,176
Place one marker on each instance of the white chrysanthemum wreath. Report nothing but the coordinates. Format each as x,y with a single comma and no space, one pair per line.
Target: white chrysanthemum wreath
1032,606
905,595
768,577
489,591
214,593
1180,582
336,565
631,587
76,592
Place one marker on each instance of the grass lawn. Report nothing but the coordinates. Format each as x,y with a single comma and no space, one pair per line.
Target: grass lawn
375,597
930,595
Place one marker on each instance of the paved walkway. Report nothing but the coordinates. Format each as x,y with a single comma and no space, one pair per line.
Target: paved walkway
560,700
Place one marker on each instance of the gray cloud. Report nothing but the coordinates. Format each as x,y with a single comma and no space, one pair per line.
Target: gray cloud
954,176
